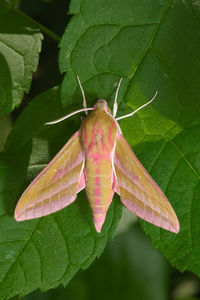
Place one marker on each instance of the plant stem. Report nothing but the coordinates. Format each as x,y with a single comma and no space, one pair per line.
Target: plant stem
44,29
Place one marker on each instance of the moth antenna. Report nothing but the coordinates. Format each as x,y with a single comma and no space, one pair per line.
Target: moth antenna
68,116
131,114
83,94
115,105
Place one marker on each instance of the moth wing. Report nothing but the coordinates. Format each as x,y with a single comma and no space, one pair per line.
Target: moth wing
57,185
138,191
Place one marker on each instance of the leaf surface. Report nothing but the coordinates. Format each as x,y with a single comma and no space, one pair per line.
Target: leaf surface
128,268
20,44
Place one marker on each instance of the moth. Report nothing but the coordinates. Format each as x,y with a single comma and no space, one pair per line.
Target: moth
97,158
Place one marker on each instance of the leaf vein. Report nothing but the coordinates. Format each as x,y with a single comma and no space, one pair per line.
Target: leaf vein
152,39
22,249
13,50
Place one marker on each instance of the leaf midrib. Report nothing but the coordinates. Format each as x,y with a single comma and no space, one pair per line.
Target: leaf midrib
153,37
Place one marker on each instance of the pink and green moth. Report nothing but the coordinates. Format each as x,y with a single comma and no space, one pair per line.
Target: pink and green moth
97,158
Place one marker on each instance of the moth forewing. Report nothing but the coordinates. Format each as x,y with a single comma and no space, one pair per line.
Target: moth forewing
56,186
139,192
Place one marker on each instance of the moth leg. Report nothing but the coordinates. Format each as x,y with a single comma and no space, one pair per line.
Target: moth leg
83,94
133,112
115,105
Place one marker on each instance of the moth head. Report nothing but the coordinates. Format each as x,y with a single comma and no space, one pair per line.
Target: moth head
102,105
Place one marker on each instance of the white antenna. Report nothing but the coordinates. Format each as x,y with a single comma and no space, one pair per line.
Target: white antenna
67,116
83,94
115,105
85,109
131,114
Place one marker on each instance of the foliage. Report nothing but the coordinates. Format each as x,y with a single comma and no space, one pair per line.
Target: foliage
126,264
153,46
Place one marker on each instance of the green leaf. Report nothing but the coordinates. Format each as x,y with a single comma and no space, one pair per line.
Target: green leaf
20,44
74,7
153,46
45,252
6,126
150,45
176,168
128,269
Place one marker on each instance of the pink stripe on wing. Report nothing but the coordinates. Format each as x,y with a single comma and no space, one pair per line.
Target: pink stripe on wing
148,177
158,220
53,192
130,175
140,197
43,210
51,163
61,172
